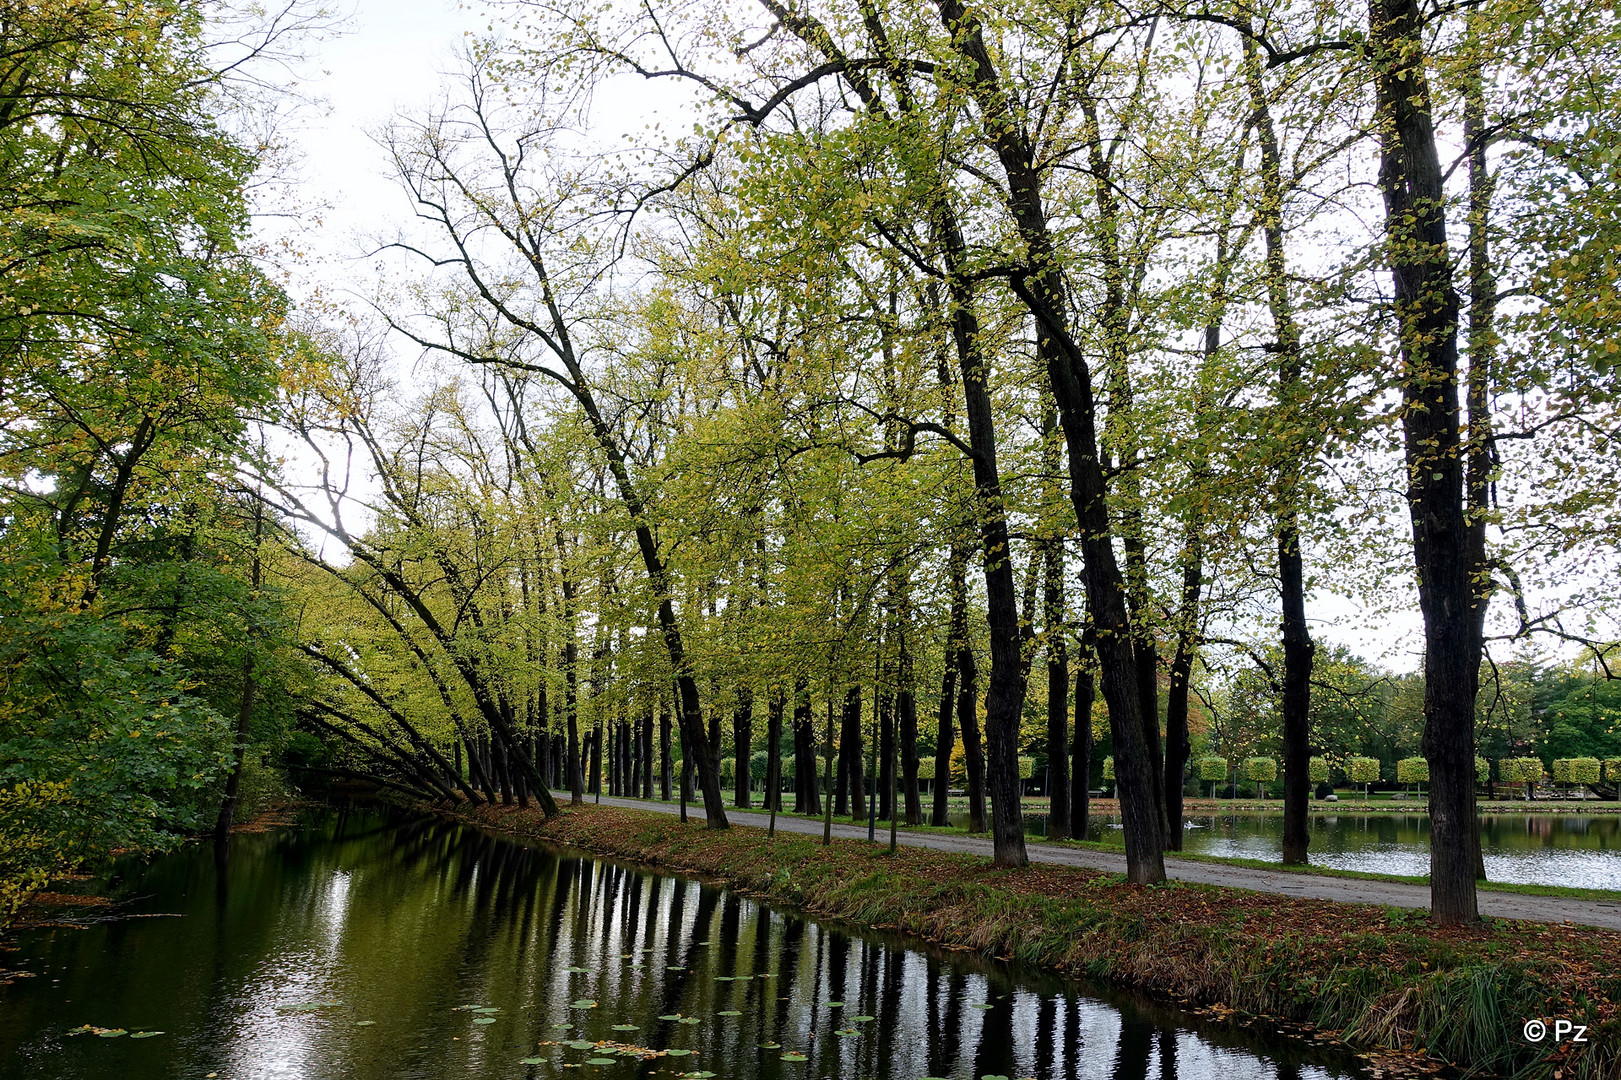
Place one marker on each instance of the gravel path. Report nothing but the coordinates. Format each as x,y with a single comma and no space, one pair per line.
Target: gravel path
1352,890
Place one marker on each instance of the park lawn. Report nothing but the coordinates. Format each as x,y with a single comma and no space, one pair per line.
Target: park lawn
1381,980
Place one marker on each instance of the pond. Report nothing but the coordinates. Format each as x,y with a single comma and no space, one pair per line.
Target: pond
366,945
1579,850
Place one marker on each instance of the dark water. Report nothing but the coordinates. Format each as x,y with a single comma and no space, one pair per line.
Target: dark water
367,946
1579,850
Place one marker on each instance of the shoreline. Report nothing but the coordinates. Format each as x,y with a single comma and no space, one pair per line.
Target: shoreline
1377,980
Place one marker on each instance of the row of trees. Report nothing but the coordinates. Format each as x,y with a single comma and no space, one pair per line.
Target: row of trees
1131,311
941,344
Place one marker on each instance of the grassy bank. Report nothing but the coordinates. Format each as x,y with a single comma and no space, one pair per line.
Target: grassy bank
1375,978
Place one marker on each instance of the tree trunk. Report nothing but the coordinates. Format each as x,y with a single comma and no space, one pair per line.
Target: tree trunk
1057,694
968,721
807,799
773,759
850,754
742,742
945,738
1081,808
664,751
1445,554
906,713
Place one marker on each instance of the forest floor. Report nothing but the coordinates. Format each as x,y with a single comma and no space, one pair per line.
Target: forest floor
1383,980
1368,889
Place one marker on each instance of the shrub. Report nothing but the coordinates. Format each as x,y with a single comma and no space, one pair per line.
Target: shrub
1212,770
925,768
1584,770
1317,770
1027,767
1412,770
1108,768
1612,770
1483,770
1262,770
728,768
1363,770
1561,770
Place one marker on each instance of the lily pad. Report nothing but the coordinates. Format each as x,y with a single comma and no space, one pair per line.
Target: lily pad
980,1005
581,1044
703,1075
845,1033
670,1016
562,1025
486,1009
626,1027
678,1053
599,1061
144,1034
794,1057
365,1023
112,1033
993,1076
579,971
483,1019
585,1003
861,1019
532,1061
771,1046
729,1012
690,1020
675,967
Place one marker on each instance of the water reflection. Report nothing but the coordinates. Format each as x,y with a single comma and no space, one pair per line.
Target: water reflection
1579,850
373,947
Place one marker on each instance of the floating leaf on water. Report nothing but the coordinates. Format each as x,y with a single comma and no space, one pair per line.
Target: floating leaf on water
675,967
794,1057
845,1033
579,971
532,1061
670,1016
626,1027
581,1044
678,1053
599,1061
483,1019
980,1005
992,1076
690,1020
144,1034
487,1009
112,1033
771,1046
835,1004
861,1019
365,1023
698,1075
563,1025
585,1003
729,1012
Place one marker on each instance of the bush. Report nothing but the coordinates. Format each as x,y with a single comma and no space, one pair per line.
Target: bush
1483,770
1520,770
1412,770
1584,770
1262,770
1212,770
1560,770
1108,768
728,769
1317,770
1363,770
1027,767
925,768
1612,770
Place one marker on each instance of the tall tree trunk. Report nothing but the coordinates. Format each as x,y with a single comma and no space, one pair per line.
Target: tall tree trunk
1445,554
906,713
1085,694
244,710
773,751
850,753
742,742
1057,693
957,638
807,799
973,754
664,751
1041,289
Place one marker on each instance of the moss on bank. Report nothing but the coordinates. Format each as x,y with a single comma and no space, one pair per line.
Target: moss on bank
1375,978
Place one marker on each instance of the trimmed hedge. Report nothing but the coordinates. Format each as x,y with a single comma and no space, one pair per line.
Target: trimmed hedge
1412,770
1363,770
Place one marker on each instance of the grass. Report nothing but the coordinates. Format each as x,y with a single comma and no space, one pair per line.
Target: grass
1382,980
1566,892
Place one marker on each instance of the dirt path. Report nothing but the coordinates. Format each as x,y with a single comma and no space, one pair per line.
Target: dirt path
1498,904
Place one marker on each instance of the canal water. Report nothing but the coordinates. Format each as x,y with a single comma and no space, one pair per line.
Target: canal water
1578,850
366,945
